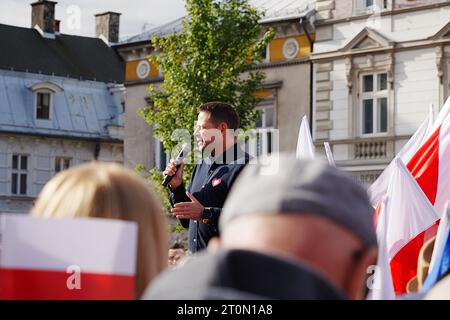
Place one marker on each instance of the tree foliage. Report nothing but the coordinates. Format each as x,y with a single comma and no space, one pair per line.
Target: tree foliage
209,60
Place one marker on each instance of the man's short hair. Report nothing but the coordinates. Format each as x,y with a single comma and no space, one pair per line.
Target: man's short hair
221,112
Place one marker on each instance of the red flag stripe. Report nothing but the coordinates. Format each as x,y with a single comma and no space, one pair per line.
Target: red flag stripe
404,263
21,284
424,166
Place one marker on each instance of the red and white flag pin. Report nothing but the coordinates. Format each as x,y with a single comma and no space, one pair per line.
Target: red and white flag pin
216,182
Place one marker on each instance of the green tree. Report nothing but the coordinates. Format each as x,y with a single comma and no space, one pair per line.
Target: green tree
210,59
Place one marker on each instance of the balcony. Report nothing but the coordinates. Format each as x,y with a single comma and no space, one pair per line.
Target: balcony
371,149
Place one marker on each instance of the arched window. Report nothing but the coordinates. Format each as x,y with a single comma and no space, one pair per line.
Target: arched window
43,102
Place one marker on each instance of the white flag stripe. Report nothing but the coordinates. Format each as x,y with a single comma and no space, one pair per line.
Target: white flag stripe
409,210
329,154
443,186
95,245
383,288
305,145
442,116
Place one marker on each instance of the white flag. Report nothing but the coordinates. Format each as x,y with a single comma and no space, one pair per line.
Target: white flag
382,289
305,145
329,154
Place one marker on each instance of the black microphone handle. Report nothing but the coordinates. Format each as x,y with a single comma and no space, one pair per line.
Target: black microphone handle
167,179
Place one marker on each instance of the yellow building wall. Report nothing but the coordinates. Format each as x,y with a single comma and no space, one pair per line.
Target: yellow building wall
262,94
131,73
276,48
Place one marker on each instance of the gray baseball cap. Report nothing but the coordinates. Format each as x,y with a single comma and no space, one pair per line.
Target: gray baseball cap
281,183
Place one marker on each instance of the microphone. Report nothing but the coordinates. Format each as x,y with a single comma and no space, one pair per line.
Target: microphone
185,149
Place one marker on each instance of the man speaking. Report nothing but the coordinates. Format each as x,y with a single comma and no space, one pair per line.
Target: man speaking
222,160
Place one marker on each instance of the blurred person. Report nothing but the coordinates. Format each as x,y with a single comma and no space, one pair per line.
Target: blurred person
414,290
177,255
199,209
423,264
101,190
305,232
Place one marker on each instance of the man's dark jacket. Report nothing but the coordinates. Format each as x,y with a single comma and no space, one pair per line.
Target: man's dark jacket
210,184
239,275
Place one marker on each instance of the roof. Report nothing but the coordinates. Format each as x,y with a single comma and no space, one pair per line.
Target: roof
26,50
159,31
275,10
80,109
279,10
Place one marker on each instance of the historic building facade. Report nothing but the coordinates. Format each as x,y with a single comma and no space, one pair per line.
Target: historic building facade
378,66
61,104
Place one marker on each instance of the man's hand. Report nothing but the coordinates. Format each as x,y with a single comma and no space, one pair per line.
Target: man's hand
188,210
171,170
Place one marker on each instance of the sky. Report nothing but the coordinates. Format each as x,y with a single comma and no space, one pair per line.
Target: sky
77,16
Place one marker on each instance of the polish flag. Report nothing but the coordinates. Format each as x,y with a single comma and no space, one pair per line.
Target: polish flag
379,187
430,165
82,258
431,171
410,221
305,145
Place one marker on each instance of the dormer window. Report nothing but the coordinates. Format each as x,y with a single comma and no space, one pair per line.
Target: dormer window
43,100
44,94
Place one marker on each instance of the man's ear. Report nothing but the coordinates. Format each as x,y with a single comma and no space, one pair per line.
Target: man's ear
223,127
214,244
357,285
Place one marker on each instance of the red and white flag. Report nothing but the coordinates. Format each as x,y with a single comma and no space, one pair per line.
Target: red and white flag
430,165
64,258
410,221
430,169
379,187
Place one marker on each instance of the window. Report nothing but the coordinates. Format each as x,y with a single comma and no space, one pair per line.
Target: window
19,174
265,127
265,54
43,100
374,103
161,158
62,163
370,6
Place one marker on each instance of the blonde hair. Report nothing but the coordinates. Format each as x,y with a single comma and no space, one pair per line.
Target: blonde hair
110,191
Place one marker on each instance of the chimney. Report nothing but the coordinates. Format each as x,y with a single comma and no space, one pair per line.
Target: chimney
43,15
56,26
107,25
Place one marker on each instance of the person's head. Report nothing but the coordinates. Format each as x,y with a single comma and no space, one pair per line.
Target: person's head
102,190
307,211
216,120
